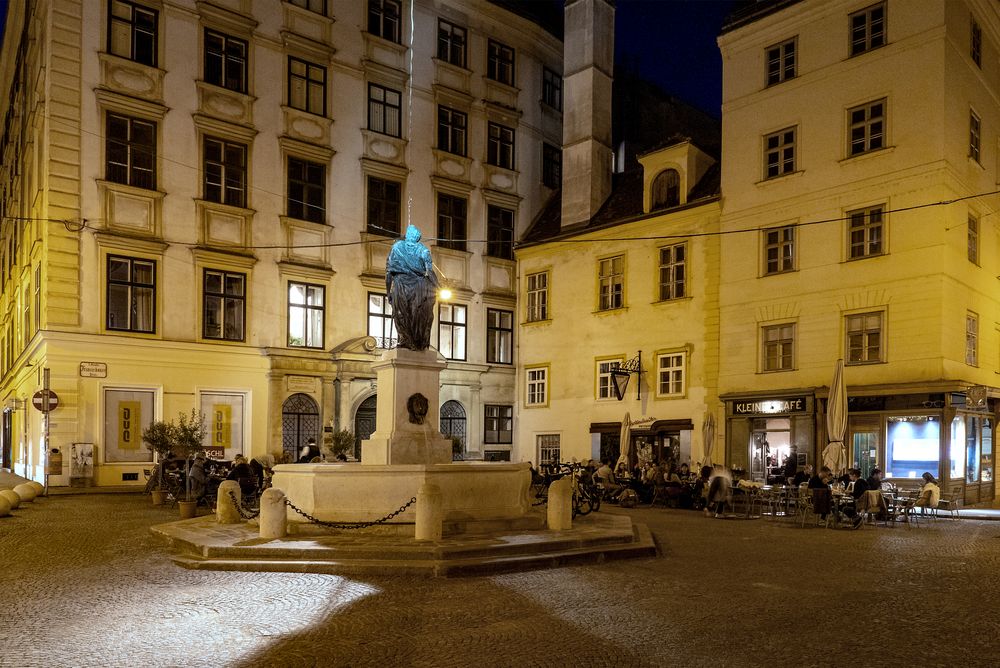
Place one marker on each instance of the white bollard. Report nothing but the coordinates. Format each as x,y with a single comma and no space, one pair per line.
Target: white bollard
430,512
227,512
12,498
273,515
26,492
4,506
39,487
560,510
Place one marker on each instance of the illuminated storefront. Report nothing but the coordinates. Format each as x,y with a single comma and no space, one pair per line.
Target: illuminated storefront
765,431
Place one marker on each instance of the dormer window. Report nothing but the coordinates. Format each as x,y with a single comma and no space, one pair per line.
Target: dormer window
666,190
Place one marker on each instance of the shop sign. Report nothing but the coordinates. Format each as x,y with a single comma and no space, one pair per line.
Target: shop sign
641,421
300,383
93,370
768,406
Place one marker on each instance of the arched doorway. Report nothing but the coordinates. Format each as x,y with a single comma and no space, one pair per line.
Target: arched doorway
453,424
299,423
364,423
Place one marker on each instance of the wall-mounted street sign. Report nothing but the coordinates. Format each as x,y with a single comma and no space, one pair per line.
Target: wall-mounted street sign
45,400
93,370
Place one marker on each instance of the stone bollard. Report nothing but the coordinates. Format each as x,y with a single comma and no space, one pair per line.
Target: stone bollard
26,492
4,507
430,512
12,498
227,512
560,516
39,487
273,515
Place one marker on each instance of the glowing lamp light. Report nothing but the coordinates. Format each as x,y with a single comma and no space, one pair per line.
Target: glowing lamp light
444,294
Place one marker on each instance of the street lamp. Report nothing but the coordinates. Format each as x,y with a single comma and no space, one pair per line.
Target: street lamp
620,376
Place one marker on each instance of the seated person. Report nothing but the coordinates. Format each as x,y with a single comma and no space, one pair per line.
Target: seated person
930,493
858,490
607,479
261,466
308,452
875,479
803,476
821,497
684,472
242,473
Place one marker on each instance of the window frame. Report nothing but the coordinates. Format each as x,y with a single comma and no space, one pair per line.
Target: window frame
780,154
223,296
866,214
536,386
604,382
669,268
536,297
972,237
665,190
311,5
500,141
131,284
499,338
867,133
299,189
310,312
671,375
453,329
380,206
552,88
453,130
858,337
225,61
778,59
550,443
384,24
380,110
386,324
501,413
500,62
777,239
309,83
975,42
975,136
135,31
224,169
130,148
783,347
972,338
500,232
452,43
452,226
551,166
608,288
869,35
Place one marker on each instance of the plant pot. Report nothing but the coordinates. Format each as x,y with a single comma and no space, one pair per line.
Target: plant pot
159,497
187,509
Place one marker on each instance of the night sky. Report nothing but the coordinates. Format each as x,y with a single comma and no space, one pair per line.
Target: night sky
672,43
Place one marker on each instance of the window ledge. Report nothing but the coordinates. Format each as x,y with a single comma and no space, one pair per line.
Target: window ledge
610,311
536,323
674,300
771,274
781,177
659,397
869,154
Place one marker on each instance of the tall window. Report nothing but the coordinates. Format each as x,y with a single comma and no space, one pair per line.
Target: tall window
666,189
864,338
306,86
670,374
500,232
499,424
132,31
867,29
605,379
780,62
38,297
500,63
383,206
548,448
306,309
380,324
131,300
451,130
971,339
499,336
779,153
976,43
383,19
975,128
552,88
777,343
225,61
865,232
451,331
538,296
306,190
537,393
318,6
867,131
500,146
384,110
611,282
451,222
451,43
973,239
225,172
224,300
130,151
673,271
779,250
551,166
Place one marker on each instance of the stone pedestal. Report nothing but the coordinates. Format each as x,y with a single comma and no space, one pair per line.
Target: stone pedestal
402,374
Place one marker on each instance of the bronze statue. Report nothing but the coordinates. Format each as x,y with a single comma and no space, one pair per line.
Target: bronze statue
412,289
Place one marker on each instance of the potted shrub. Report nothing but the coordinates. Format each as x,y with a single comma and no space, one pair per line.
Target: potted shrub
159,439
341,443
189,440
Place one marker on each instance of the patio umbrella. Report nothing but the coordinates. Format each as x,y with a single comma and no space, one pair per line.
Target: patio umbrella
708,435
834,455
625,442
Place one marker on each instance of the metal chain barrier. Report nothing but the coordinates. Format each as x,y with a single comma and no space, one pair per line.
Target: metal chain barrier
245,514
351,525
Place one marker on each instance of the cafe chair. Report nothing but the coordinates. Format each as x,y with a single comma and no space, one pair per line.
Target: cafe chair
951,504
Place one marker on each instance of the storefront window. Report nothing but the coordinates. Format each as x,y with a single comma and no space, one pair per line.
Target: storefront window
972,449
770,447
987,456
912,443
956,448
865,451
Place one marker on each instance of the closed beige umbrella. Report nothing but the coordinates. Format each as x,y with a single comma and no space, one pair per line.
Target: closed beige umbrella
625,442
834,455
708,434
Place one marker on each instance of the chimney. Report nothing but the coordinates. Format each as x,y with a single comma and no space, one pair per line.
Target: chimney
588,66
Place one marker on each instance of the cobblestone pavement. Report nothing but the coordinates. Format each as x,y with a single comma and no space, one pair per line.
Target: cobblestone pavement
83,583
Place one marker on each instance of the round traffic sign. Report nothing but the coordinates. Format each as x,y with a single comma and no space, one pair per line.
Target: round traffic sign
45,400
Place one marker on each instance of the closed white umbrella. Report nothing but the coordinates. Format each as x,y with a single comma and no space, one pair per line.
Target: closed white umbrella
708,435
834,455
625,442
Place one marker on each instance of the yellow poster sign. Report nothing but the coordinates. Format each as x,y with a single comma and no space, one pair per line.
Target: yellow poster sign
129,425
222,426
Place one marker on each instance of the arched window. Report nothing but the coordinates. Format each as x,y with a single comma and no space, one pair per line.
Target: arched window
299,423
666,190
453,424
364,423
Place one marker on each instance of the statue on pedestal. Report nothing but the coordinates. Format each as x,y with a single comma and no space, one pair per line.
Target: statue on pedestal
412,289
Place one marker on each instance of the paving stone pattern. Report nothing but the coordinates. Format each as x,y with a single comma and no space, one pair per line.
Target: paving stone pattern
83,583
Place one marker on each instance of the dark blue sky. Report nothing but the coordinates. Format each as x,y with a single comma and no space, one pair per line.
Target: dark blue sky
672,43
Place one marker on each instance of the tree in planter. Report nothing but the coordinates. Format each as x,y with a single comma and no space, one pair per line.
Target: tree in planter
159,438
189,440
341,443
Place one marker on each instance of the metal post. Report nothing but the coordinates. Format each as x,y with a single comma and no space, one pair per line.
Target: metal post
638,377
45,417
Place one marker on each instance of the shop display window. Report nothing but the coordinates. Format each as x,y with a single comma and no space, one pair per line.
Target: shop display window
956,448
912,444
972,448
